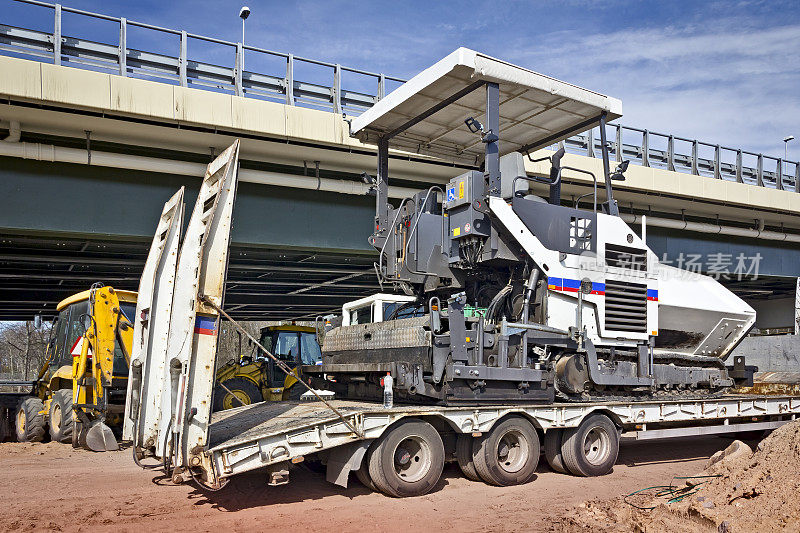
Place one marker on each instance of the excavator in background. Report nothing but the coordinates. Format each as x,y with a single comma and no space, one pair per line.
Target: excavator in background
254,378
79,394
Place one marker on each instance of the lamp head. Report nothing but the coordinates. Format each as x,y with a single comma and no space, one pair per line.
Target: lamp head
244,13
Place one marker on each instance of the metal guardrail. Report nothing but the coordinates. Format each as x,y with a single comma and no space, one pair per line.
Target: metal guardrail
725,163
785,176
119,58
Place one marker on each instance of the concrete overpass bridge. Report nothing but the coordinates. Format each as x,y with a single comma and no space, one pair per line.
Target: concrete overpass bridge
99,134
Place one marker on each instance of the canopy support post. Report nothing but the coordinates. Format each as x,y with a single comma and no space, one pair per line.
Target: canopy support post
382,189
613,209
492,138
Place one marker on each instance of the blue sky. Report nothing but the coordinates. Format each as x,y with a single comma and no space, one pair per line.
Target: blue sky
721,72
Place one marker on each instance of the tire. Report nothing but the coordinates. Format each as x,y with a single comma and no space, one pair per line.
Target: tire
61,421
508,454
295,391
29,422
591,449
245,393
552,450
407,460
464,457
363,472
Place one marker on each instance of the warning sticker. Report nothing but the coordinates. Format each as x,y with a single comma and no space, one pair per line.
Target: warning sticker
467,227
456,232
78,346
460,190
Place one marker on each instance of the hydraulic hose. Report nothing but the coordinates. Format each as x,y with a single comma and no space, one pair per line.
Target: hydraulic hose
498,298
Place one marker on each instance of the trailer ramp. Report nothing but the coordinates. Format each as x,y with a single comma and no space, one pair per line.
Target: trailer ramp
169,416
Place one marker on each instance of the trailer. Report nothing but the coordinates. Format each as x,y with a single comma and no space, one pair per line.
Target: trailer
408,445
399,451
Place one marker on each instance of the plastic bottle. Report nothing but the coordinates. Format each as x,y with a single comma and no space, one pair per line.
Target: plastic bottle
388,395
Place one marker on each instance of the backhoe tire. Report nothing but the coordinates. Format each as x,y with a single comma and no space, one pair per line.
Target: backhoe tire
407,460
245,392
29,421
61,421
464,457
508,454
591,449
552,450
295,391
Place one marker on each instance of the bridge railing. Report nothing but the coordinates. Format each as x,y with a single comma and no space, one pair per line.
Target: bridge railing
696,157
182,69
329,91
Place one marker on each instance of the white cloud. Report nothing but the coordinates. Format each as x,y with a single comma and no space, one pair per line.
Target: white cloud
725,83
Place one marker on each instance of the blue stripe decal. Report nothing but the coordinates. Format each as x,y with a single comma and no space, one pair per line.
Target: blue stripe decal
574,285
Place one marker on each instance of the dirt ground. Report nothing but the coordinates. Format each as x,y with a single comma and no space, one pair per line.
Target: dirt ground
742,490
51,486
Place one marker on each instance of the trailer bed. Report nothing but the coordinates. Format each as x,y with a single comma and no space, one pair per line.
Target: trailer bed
266,434
243,424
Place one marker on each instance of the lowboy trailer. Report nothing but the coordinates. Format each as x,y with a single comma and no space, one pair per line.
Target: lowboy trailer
399,451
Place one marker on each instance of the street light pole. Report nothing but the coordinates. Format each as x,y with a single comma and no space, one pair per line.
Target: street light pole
243,14
785,146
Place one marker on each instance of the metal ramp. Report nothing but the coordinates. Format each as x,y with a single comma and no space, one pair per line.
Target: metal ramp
175,350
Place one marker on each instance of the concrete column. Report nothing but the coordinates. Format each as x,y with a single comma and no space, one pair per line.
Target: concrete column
797,307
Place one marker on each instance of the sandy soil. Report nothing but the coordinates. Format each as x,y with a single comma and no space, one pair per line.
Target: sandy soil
751,490
51,486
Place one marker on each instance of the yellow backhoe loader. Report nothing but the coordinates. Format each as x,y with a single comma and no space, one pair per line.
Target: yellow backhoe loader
255,379
79,393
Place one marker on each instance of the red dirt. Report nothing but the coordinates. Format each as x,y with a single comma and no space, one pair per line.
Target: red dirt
53,487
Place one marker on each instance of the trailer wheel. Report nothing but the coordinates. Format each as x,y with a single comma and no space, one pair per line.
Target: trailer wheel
464,457
407,460
552,449
242,392
591,449
362,474
508,454
29,421
61,422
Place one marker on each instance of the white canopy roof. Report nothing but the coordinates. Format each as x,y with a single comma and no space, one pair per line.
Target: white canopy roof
533,108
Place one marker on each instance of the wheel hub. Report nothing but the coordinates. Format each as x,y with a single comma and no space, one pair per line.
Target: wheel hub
235,398
512,451
412,459
596,446
402,457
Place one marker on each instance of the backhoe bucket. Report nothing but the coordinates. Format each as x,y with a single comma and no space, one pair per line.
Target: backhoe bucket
100,438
